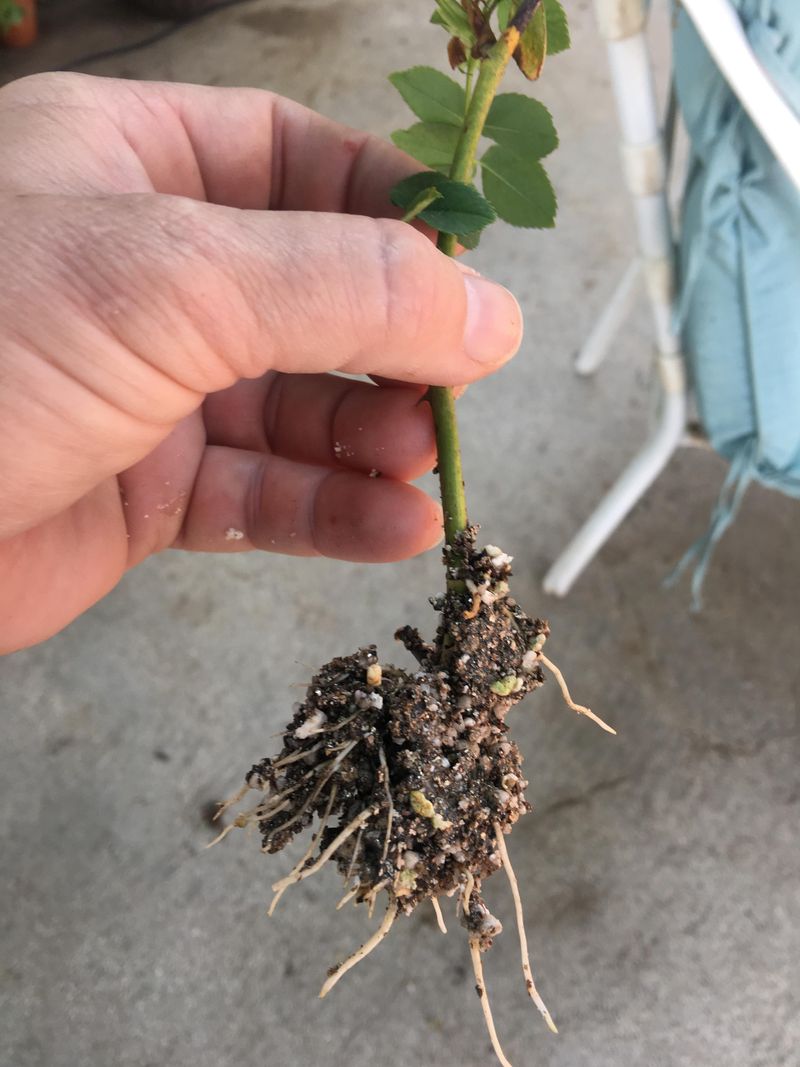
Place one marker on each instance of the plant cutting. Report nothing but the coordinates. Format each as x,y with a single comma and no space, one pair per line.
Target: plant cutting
410,775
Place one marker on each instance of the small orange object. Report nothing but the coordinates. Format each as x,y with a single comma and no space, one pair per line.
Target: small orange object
26,31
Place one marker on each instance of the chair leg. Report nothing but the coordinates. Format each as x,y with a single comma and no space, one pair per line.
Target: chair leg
632,484
596,346
622,24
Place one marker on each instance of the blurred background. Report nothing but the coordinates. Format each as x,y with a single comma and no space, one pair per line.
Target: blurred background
660,868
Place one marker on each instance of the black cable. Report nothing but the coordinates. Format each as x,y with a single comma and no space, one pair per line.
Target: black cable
145,42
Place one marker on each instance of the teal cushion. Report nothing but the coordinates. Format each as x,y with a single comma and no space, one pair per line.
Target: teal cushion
739,264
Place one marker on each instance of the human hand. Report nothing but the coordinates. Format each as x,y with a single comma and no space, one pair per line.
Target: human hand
166,343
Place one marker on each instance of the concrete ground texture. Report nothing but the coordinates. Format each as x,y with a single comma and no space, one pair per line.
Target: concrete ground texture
660,868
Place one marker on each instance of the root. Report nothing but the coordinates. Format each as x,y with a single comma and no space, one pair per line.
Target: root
364,950
476,607
352,863
295,756
480,986
261,811
334,766
298,867
225,804
322,859
581,710
348,896
530,985
439,917
371,897
341,723
224,833
390,812
466,893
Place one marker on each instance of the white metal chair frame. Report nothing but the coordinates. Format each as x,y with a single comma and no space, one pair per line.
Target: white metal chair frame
622,24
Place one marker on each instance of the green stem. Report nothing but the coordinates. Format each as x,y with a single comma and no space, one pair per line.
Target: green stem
451,478
468,84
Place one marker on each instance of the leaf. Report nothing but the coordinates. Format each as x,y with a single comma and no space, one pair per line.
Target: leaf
431,95
432,143
451,15
456,53
518,189
557,27
460,209
522,125
470,240
532,47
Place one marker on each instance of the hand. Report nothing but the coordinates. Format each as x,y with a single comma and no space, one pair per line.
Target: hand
165,341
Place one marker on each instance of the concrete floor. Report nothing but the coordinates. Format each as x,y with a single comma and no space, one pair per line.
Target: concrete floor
660,868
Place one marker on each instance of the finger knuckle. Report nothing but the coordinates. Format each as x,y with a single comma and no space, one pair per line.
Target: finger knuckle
51,88
418,297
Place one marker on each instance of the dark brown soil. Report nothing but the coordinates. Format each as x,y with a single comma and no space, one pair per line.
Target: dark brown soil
420,764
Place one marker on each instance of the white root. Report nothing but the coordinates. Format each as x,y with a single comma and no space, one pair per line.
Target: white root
223,834
439,917
298,867
223,807
295,756
333,766
480,985
261,811
323,857
371,898
351,865
348,896
530,985
390,812
364,950
333,726
581,710
466,893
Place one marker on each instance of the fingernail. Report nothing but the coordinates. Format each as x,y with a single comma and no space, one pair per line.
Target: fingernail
493,330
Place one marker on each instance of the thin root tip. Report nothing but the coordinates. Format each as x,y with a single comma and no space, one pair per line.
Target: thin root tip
551,1026
596,719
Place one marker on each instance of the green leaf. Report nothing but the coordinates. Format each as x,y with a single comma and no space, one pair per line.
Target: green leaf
522,125
470,240
451,15
518,189
557,27
431,95
432,143
460,209
532,46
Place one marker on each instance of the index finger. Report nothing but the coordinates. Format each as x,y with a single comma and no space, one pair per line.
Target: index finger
241,148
